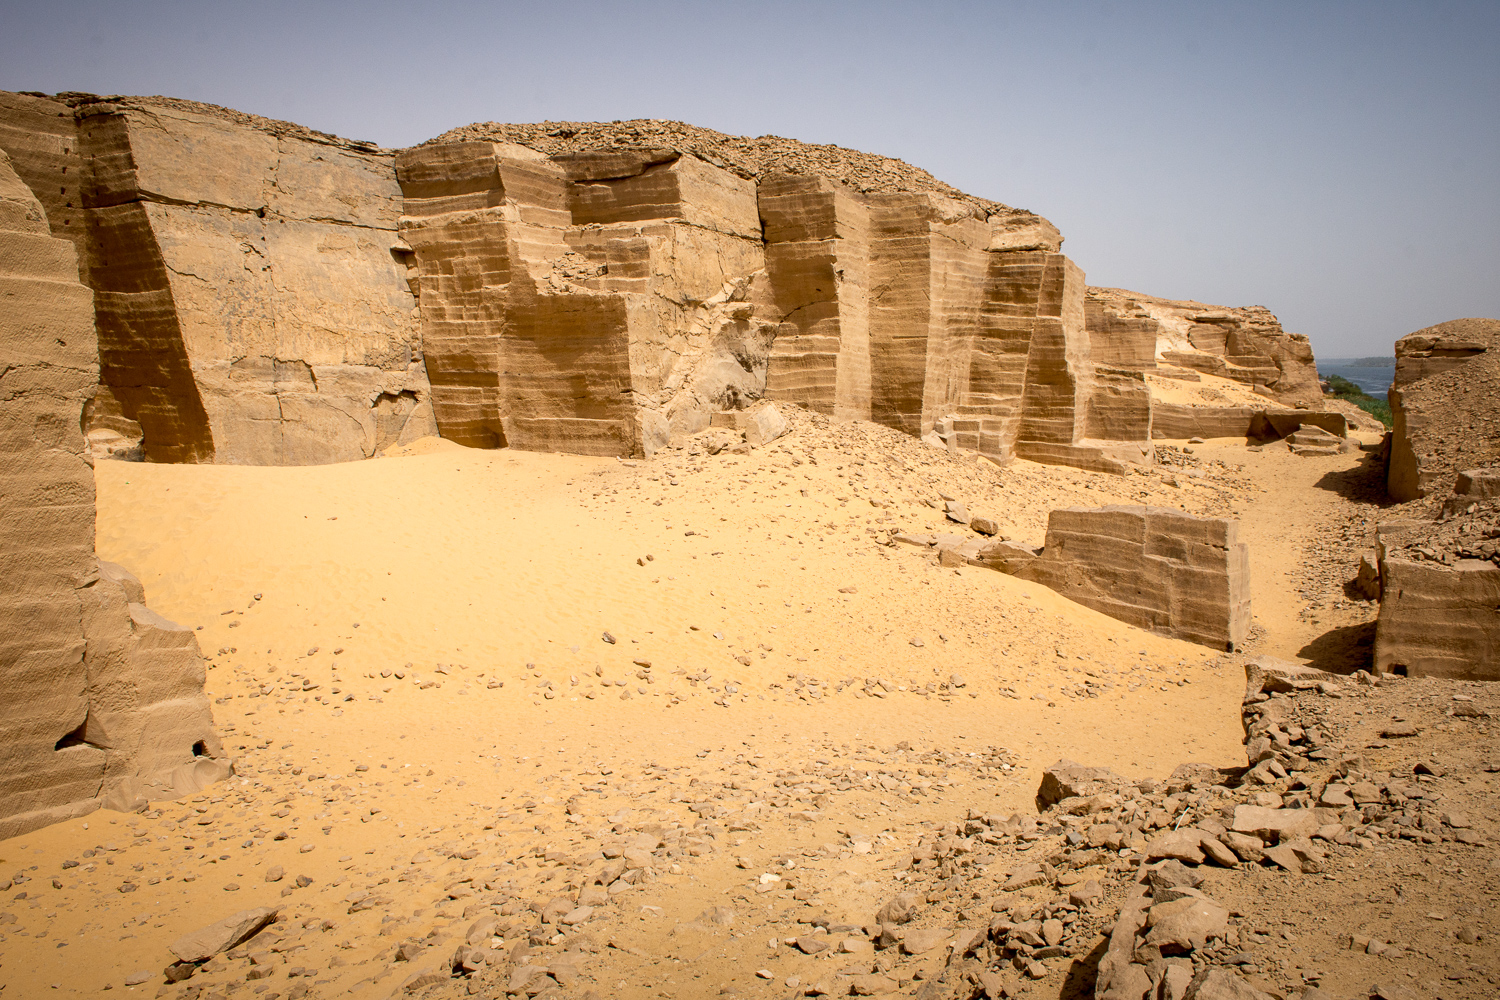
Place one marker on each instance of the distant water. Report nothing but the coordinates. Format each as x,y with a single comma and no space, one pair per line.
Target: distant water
1372,379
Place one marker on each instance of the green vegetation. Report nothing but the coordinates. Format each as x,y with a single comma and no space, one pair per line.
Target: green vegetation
1341,388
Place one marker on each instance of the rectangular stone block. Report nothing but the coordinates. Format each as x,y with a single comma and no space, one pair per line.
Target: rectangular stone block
1152,567
1439,621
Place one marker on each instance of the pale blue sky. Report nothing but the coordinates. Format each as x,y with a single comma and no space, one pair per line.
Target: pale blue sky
1336,162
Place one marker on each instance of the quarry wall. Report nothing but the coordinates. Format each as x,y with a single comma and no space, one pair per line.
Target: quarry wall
249,305
268,294
184,283
1445,406
104,698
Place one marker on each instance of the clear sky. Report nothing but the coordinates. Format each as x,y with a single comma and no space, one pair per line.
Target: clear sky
1336,162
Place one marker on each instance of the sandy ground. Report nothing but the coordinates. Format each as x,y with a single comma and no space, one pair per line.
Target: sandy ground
454,672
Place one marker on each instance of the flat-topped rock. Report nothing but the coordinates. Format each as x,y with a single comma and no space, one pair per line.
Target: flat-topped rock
1153,567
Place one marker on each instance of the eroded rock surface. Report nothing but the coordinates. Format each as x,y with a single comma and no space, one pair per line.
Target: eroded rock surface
1245,344
582,305
1443,347
251,297
1442,423
586,287
1153,567
104,697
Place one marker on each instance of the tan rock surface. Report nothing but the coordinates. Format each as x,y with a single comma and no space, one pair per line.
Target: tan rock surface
631,146
1244,344
635,277
1156,568
594,316
1439,621
103,695
1443,347
255,313
1442,424
1439,584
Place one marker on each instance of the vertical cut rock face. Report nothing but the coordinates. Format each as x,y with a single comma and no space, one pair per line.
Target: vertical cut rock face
588,303
1439,620
918,311
252,303
1445,405
1153,567
817,235
853,285
104,698
272,295
1439,580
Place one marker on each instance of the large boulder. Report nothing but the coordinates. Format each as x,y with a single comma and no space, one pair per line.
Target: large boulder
1068,779
1438,619
206,942
1154,567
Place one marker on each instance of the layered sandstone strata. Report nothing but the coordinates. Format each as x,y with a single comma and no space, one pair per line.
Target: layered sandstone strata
863,289
920,312
587,303
1439,583
270,294
1438,619
104,698
669,288
1442,347
251,296
1244,344
1153,567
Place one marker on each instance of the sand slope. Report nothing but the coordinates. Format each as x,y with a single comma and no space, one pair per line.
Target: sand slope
357,615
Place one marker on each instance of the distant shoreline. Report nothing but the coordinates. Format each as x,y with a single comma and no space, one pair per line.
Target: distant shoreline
1362,362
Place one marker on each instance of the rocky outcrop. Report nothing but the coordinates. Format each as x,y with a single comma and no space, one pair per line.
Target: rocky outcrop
1447,419
1439,586
588,287
591,303
1152,567
920,313
257,312
1443,347
105,698
1244,344
673,281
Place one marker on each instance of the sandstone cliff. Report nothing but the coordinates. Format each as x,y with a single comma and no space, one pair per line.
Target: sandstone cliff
1439,348
588,304
1443,423
104,698
269,294
251,298
672,272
